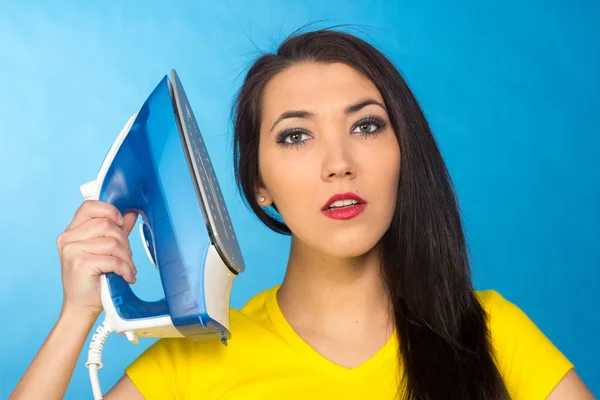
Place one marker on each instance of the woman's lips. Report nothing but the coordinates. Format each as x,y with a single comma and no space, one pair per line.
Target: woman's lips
343,196
346,212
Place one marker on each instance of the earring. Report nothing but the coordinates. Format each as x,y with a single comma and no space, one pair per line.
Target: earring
261,199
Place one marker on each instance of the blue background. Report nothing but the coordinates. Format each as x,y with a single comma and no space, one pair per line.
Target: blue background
510,89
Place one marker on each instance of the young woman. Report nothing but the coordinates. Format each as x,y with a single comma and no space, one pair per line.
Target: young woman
332,148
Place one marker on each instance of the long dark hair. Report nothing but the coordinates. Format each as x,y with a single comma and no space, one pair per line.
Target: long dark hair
445,348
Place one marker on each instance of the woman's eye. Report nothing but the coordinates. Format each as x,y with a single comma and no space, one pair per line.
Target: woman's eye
369,125
366,128
292,138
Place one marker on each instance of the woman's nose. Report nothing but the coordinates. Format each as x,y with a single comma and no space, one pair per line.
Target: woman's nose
337,161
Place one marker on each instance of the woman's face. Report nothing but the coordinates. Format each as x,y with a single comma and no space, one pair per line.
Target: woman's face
325,131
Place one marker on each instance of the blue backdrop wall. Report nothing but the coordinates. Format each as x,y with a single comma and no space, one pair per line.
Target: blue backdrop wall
510,89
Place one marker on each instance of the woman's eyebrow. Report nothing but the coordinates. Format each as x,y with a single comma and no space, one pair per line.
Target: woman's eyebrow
307,114
363,103
292,114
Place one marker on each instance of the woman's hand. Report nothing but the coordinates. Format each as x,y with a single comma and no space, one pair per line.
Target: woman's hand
95,242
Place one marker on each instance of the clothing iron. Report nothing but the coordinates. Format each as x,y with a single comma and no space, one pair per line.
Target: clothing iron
160,167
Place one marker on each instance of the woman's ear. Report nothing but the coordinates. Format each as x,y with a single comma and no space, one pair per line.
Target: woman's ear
263,197
262,194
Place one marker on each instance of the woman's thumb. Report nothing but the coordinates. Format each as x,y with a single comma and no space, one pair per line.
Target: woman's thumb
129,220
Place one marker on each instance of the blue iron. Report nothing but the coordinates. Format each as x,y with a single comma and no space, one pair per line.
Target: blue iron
160,167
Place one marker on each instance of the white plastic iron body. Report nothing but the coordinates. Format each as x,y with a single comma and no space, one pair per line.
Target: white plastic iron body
218,278
159,167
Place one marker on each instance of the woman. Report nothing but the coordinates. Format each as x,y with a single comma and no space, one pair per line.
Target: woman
377,301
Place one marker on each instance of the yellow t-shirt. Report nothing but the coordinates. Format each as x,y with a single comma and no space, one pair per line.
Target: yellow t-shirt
266,359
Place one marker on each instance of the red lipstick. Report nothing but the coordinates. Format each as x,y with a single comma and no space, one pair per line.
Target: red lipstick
345,212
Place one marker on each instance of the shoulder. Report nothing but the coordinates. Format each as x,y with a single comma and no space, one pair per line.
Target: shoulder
243,327
170,364
528,360
502,314
251,322
495,302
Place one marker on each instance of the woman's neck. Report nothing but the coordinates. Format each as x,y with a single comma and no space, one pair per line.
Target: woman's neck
335,294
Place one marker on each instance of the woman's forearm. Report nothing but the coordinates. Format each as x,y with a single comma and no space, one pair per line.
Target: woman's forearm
48,375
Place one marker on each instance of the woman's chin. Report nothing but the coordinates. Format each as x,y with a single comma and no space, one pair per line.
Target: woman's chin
347,247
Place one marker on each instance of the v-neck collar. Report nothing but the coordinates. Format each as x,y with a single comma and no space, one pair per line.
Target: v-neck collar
388,350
